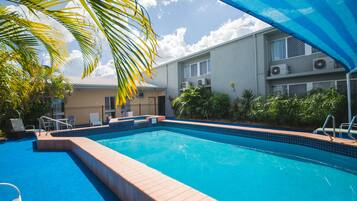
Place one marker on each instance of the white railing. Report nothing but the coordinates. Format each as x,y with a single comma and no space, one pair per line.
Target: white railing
57,122
330,116
350,127
14,187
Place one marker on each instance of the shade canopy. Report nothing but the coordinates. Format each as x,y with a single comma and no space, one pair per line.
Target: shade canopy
329,25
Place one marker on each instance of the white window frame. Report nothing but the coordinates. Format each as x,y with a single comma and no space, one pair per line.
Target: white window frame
309,85
189,66
308,49
109,110
189,71
197,70
208,70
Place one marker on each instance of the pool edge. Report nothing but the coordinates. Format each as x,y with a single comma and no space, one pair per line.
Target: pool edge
129,179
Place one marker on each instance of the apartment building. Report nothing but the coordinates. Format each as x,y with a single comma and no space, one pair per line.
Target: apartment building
267,61
97,95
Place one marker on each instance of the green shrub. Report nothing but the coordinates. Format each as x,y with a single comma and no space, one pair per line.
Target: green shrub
318,104
241,107
310,110
219,104
192,103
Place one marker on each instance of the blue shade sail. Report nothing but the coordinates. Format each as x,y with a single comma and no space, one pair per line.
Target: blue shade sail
329,25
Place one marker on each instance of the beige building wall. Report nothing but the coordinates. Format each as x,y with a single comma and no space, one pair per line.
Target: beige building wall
84,101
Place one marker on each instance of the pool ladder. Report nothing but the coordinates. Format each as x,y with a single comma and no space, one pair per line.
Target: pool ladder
351,126
14,187
330,116
44,120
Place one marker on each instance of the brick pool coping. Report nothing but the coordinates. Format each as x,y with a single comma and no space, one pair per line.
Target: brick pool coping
270,131
127,178
132,180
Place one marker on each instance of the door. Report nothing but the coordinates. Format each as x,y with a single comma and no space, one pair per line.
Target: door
161,105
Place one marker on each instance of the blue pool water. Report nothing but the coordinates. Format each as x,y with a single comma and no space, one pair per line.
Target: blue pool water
47,176
230,171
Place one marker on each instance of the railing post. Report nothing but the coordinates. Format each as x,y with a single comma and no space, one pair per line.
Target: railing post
102,114
139,108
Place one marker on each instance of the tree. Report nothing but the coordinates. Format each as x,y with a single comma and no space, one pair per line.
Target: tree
124,24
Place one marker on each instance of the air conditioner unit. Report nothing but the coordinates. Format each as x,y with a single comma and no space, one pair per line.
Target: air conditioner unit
201,82
279,69
185,85
323,63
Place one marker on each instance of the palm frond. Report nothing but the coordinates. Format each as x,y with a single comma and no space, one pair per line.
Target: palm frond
23,34
127,28
80,28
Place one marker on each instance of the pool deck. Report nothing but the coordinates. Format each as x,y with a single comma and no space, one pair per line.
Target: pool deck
132,180
271,131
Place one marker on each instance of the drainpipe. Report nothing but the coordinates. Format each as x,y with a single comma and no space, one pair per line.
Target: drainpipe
256,63
349,104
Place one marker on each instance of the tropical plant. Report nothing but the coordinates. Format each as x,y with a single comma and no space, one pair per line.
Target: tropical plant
242,105
28,93
219,105
125,25
193,103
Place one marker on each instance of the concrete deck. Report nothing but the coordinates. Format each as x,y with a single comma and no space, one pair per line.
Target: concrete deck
271,131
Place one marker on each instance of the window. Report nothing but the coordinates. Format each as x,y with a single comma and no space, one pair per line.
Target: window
342,86
295,47
323,85
186,72
208,66
203,67
278,49
194,70
298,90
58,108
109,106
280,90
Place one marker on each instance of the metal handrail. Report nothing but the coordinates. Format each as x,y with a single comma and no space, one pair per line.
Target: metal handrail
330,116
53,120
350,127
14,187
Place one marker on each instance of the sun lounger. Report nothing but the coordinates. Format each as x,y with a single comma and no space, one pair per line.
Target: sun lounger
18,128
94,119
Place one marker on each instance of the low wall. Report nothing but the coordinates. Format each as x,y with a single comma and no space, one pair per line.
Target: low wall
127,178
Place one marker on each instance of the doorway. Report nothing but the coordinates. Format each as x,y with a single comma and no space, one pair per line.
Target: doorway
161,105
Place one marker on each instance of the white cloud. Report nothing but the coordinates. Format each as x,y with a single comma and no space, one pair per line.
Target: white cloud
74,66
153,3
173,45
148,3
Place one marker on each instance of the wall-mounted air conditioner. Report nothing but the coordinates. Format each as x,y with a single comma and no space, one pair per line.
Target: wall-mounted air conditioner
201,82
279,69
185,85
323,63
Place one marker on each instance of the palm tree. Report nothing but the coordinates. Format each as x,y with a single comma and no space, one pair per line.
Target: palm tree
124,24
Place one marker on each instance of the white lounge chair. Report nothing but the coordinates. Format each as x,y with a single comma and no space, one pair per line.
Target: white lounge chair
19,130
94,119
18,126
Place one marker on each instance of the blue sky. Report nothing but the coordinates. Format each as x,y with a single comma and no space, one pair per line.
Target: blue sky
198,16
183,27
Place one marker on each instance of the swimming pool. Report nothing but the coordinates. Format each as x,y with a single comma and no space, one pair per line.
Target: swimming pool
235,168
47,176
